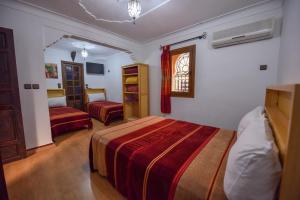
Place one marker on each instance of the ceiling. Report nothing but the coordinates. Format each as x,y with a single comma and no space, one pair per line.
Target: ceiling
94,50
169,15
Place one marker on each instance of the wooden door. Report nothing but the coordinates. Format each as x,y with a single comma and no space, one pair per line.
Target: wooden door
73,83
12,145
3,190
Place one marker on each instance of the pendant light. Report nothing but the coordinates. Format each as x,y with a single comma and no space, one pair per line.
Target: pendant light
134,9
84,53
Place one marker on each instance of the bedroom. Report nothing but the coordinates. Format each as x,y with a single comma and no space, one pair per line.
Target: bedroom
228,81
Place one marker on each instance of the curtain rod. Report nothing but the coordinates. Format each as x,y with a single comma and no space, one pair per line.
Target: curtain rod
203,36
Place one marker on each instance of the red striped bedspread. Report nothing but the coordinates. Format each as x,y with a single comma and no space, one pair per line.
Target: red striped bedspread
105,111
65,119
158,158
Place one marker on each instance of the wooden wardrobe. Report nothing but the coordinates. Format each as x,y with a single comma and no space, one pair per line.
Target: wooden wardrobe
12,144
135,91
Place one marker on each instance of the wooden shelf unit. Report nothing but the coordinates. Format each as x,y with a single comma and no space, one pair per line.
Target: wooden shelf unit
136,103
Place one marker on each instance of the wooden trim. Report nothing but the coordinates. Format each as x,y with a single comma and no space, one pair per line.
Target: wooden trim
192,50
51,93
282,105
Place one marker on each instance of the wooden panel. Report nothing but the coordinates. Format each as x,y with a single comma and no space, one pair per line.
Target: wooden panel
284,103
3,44
283,111
3,190
4,69
55,93
279,124
144,110
7,126
5,97
291,168
9,151
12,142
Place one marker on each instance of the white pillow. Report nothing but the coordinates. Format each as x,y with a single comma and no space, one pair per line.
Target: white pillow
96,97
57,102
253,168
248,118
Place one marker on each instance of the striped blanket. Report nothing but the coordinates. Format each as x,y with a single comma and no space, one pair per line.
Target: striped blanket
105,111
158,158
64,119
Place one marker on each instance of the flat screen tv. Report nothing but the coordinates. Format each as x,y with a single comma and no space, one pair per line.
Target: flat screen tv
94,68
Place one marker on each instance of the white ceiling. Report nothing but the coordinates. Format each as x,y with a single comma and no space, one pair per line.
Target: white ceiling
171,16
94,50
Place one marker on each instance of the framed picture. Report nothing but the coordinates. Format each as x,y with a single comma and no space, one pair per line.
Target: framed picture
51,70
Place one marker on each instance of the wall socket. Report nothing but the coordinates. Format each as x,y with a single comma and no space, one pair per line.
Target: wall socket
263,67
35,86
27,86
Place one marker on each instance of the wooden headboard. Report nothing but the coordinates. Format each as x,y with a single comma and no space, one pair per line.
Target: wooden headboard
93,91
282,106
55,93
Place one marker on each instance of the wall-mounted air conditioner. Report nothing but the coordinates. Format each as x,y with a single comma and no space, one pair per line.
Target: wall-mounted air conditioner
252,32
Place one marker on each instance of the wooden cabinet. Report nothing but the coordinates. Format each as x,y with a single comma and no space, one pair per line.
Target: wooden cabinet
12,144
135,91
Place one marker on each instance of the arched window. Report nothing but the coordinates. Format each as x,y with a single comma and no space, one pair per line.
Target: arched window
181,74
183,64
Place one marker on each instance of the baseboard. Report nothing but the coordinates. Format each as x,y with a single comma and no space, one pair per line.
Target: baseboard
34,150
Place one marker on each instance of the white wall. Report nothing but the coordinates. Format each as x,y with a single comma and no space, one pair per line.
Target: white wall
33,31
228,81
114,77
289,60
55,56
111,80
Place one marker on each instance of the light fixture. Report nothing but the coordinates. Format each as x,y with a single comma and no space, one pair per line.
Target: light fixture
134,9
84,53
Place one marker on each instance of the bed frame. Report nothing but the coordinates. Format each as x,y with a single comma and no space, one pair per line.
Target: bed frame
56,93
93,91
282,107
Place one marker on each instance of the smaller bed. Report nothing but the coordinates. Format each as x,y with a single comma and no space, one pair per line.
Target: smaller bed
63,118
101,109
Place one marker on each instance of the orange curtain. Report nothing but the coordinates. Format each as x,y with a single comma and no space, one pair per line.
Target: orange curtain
166,80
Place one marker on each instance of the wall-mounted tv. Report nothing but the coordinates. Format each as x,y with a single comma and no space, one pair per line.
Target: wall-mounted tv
94,68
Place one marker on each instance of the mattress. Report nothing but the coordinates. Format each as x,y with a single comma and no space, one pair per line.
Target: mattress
105,111
159,158
65,119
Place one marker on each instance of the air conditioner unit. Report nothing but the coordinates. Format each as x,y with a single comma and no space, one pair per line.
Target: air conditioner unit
252,32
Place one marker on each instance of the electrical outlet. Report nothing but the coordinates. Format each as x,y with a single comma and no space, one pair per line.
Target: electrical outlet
263,67
27,86
35,86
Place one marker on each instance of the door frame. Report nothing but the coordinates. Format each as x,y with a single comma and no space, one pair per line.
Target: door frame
81,66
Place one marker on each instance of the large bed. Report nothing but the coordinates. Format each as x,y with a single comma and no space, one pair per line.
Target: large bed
103,110
64,119
154,146
159,158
